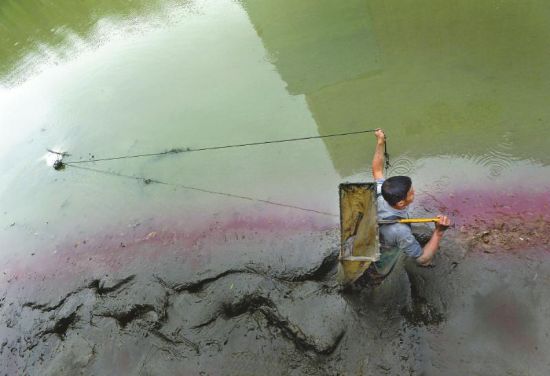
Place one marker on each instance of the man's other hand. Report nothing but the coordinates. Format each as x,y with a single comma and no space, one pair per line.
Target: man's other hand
443,224
380,136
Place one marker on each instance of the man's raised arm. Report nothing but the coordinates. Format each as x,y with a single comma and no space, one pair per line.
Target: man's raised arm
378,159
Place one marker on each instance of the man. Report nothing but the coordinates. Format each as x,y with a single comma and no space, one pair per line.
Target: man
394,195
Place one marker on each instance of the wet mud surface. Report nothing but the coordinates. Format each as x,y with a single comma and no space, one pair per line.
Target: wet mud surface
250,295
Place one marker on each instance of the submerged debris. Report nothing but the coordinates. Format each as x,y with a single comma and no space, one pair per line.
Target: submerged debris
58,165
489,223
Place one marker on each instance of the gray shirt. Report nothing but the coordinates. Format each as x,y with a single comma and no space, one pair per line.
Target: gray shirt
397,235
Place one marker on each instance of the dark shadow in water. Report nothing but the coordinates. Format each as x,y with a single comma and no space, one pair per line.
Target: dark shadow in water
461,80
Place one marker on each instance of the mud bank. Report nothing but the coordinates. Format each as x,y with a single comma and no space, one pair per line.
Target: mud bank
472,313
511,220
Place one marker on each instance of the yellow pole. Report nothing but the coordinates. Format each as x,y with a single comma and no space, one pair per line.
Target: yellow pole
410,220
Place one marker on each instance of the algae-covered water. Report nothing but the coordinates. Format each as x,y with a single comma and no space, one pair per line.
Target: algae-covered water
461,89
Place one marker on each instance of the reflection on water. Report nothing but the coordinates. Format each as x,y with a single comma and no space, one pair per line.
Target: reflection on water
315,44
454,83
194,82
32,31
467,85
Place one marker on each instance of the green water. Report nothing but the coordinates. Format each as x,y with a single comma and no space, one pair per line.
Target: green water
461,89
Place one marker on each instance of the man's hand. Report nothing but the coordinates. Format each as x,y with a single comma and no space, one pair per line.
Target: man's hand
430,249
380,136
443,224
378,159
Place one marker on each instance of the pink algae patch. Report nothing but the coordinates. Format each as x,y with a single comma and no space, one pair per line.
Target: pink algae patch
490,220
156,242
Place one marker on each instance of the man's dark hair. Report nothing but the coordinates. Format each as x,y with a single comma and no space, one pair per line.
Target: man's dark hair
395,189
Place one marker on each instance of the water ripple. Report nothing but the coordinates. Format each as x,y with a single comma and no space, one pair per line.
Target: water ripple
497,159
402,165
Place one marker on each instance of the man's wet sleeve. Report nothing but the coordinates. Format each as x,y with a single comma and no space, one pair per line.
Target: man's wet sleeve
408,244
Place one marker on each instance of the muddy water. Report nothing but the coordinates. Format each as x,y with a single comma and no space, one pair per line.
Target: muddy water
227,266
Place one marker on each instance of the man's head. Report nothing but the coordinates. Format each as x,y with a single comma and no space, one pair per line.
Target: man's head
398,191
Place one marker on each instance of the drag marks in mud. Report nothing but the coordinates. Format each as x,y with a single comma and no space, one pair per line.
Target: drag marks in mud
183,316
